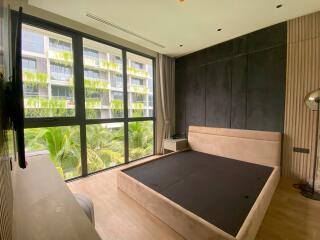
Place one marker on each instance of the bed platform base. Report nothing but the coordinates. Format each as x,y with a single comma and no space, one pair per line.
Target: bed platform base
191,226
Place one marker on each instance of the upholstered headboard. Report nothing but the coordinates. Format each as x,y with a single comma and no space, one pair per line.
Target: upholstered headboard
259,147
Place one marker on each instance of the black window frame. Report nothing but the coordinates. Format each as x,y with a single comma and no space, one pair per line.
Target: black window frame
79,92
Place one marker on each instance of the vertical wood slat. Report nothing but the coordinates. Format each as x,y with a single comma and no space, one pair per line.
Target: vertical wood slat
303,76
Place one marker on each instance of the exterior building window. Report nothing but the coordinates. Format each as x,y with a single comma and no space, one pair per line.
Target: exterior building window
32,41
116,80
117,95
116,59
61,92
60,72
59,45
90,53
29,64
137,81
31,91
93,74
137,65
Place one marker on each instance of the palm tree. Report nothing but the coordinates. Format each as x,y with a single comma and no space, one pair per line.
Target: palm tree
140,139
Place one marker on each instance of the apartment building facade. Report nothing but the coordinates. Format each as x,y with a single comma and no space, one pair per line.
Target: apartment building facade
48,78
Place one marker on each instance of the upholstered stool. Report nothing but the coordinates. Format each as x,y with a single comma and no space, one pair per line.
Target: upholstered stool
86,204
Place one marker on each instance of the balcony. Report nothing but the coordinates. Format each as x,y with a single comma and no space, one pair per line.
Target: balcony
93,103
34,79
53,103
96,84
90,61
137,72
61,56
138,105
138,89
110,66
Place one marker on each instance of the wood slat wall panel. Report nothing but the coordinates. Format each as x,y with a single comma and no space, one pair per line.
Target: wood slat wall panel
303,76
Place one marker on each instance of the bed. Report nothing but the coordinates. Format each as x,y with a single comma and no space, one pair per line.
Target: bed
220,189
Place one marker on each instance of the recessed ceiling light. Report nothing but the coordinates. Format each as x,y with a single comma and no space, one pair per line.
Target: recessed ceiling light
219,29
279,6
180,45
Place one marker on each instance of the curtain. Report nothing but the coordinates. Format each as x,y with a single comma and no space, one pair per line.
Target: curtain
166,66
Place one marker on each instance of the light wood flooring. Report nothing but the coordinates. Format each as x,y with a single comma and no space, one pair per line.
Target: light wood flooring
118,217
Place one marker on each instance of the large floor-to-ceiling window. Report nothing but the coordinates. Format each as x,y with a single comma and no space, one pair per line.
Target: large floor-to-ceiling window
88,104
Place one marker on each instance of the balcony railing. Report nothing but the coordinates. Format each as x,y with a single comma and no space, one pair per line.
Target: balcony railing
110,65
137,72
93,103
96,84
35,78
62,56
139,89
51,103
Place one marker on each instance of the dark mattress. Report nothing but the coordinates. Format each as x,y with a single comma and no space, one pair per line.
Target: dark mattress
217,189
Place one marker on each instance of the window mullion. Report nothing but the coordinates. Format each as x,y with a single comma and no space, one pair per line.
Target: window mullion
80,98
125,105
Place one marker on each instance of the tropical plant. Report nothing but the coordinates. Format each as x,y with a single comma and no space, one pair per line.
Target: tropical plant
98,85
105,146
140,139
34,79
110,65
137,72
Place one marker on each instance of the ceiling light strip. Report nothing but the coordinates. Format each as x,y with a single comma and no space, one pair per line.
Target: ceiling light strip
94,17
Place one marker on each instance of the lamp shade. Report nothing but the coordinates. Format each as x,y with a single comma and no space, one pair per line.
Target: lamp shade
312,99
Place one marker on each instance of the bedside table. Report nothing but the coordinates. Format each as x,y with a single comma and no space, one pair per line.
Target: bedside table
175,145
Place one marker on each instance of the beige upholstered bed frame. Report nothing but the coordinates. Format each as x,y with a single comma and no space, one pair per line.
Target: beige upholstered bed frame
252,146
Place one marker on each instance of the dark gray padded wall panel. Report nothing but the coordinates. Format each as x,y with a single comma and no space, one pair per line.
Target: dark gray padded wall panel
180,91
218,94
240,104
195,97
266,89
239,92
267,38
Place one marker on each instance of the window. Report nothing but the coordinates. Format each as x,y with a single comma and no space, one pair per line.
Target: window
33,41
116,80
105,145
138,65
97,81
90,53
61,92
60,72
139,85
88,73
37,81
59,144
136,82
140,139
112,111
29,64
59,45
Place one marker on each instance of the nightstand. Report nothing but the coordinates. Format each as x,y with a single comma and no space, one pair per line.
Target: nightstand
175,145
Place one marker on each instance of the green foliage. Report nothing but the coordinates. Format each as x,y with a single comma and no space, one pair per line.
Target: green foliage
140,139
105,146
65,56
93,103
110,65
139,89
45,107
34,79
137,72
98,85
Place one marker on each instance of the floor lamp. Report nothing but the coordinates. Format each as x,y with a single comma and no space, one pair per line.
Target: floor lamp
312,101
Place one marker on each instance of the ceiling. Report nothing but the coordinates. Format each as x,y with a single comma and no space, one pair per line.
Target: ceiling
171,23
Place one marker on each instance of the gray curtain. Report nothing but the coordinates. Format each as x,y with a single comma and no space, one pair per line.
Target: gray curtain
166,66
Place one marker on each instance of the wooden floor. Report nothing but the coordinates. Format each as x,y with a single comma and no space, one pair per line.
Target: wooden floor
289,217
